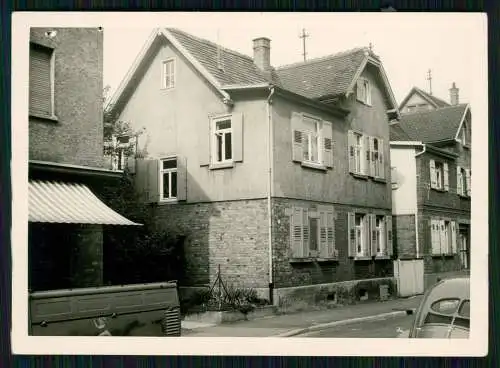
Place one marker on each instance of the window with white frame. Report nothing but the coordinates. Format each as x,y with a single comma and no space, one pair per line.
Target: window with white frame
358,153
222,145
312,233
364,91
379,234
366,155
361,243
168,74
376,158
443,236
168,179
310,140
41,80
439,175
463,181
370,235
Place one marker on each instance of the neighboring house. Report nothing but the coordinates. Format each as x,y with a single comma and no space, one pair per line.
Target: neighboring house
66,217
279,176
431,175
419,100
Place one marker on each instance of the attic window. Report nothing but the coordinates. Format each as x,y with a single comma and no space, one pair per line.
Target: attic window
363,91
168,74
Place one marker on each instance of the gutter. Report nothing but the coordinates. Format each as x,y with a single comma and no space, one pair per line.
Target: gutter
270,190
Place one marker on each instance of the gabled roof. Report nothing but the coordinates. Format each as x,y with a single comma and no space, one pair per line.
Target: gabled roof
433,100
396,133
434,125
328,76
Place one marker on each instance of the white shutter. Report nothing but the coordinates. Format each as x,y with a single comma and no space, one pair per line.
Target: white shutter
388,238
459,181
323,236
381,162
297,148
373,234
366,236
327,144
305,232
351,151
330,233
296,233
435,242
432,167
442,238
453,231
467,172
369,169
446,178
351,234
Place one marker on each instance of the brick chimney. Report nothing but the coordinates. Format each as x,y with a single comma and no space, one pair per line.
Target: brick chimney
454,94
262,53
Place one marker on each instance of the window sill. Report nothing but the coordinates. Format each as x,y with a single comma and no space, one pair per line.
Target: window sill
312,165
52,118
379,180
446,255
362,258
222,165
462,196
382,257
439,190
360,176
313,259
302,260
168,201
330,259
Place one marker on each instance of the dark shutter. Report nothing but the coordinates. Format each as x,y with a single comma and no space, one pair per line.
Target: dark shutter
40,93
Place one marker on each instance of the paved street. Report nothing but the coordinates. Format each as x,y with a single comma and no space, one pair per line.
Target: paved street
378,329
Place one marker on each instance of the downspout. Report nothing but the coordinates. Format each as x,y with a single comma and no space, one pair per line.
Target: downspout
269,190
417,238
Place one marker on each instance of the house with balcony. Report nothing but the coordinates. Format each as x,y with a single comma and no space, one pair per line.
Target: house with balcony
279,177
67,213
431,179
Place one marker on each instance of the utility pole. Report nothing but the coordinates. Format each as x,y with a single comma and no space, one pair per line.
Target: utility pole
304,35
429,78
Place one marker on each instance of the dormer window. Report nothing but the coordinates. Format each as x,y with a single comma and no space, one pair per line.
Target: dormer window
463,135
168,74
363,91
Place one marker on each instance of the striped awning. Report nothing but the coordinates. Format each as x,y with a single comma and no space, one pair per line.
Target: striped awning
69,203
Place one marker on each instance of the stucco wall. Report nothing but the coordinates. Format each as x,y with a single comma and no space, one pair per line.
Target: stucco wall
404,196
176,122
77,135
336,185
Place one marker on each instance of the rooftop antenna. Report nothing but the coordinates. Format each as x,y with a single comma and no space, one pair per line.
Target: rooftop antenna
304,35
370,46
429,78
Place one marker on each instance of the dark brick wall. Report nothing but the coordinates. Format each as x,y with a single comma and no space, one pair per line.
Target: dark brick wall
287,274
77,135
232,234
404,233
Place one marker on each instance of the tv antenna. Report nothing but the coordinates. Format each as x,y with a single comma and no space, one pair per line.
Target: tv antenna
429,78
304,35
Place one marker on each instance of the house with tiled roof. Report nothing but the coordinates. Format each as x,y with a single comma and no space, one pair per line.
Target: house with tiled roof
431,175
279,177
419,100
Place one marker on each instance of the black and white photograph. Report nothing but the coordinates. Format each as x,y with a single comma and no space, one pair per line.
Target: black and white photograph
196,182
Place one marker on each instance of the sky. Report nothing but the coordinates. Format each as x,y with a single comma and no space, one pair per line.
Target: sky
409,44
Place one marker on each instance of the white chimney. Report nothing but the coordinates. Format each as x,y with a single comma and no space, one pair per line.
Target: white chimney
454,94
262,53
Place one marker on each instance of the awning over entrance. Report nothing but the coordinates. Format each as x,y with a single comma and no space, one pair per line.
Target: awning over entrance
69,203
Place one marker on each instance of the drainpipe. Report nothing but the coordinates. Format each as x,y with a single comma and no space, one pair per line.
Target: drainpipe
269,190
417,238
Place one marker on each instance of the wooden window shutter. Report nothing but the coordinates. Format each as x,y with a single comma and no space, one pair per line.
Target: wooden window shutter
296,233
381,162
351,151
40,83
459,181
445,177
323,235
468,181
367,146
453,230
432,168
373,232
443,245
351,236
237,136
204,142
327,145
181,178
389,238
330,232
297,148
141,178
435,236
372,163
305,232
152,189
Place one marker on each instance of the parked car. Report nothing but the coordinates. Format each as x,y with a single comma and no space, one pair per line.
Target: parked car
444,312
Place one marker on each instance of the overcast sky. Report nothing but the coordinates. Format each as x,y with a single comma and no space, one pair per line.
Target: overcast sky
451,45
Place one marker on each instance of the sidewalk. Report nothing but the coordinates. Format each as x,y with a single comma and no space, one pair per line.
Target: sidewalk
290,324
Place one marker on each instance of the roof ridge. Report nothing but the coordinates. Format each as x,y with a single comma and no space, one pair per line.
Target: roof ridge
436,109
204,40
322,58
430,95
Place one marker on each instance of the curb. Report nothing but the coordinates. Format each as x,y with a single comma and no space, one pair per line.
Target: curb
344,322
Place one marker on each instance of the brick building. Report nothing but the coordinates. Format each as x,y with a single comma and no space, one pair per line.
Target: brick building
431,161
280,176
66,214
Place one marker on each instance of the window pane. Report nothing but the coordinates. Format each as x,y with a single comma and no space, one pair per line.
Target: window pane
305,146
224,124
464,310
313,224
170,164
219,147
227,148
314,149
445,306
165,191
173,188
